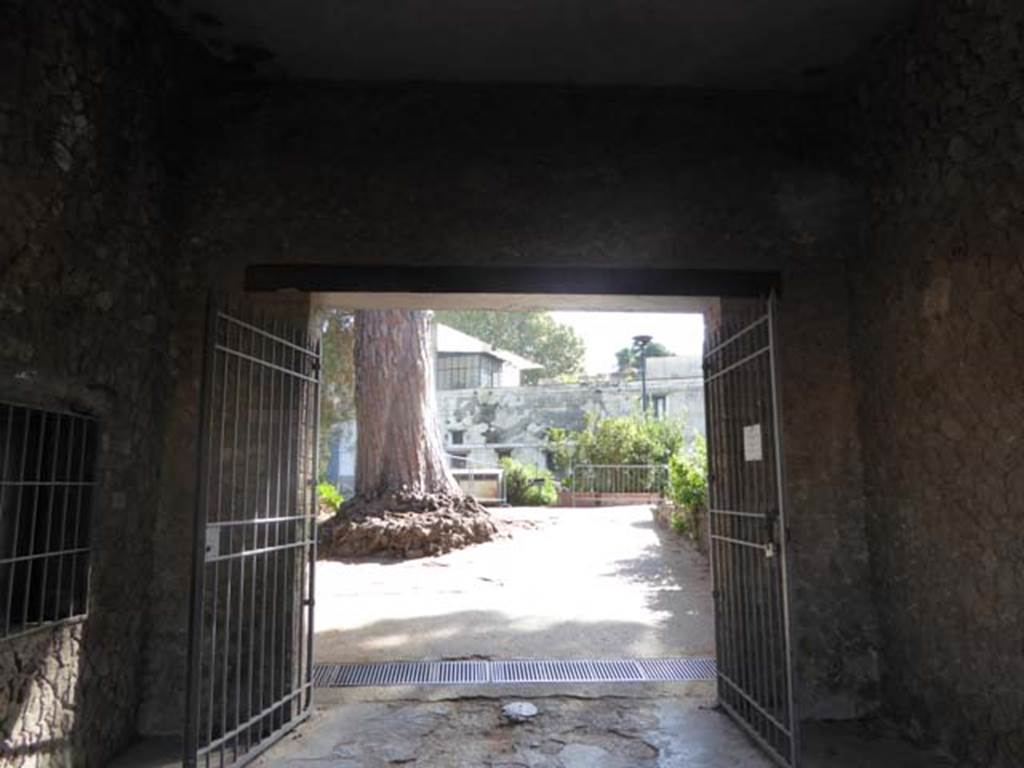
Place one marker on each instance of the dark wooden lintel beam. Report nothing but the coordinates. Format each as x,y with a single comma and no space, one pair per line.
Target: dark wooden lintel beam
327,278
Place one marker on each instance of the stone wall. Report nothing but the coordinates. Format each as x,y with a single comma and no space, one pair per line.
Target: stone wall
938,329
87,278
518,418
536,176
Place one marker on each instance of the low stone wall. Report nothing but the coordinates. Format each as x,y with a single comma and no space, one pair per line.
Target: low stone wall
583,499
701,536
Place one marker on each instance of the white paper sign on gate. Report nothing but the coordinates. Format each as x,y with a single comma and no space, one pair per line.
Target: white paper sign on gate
752,450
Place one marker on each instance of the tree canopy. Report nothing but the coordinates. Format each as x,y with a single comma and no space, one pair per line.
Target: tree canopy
629,357
534,335
338,399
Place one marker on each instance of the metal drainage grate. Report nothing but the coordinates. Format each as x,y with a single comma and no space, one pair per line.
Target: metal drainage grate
680,670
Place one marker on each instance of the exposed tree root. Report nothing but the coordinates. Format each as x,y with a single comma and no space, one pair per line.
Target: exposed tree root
405,525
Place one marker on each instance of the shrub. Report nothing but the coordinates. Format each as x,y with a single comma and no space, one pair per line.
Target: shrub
683,524
527,486
688,477
329,496
631,440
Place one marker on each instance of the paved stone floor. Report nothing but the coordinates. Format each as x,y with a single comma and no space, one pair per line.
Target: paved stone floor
568,732
566,583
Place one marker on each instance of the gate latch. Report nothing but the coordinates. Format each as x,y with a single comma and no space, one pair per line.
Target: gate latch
212,542
771,520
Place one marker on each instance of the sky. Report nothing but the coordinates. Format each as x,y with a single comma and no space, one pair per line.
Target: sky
605,333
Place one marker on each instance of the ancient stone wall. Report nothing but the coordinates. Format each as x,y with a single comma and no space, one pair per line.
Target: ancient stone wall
938,329
605,177
87,278
518,418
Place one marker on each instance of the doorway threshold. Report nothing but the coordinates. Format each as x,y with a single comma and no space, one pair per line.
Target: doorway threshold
513,672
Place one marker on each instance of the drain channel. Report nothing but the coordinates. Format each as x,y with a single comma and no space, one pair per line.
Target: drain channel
387,673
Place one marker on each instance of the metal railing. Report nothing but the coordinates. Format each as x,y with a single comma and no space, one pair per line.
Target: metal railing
617,479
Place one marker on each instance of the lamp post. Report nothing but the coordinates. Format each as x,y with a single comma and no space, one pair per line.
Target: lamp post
640,345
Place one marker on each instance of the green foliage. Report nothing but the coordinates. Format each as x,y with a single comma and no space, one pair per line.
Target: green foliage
688,476
682,524
619,440
629,357
528,486
329,496
534,335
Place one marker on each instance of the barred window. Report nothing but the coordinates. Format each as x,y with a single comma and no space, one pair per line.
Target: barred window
47,478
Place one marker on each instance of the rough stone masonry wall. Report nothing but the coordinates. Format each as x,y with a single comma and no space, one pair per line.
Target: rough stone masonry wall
87,276
535,176
522,416
938,328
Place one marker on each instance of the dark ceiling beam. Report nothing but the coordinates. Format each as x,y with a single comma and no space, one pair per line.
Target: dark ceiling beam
327,278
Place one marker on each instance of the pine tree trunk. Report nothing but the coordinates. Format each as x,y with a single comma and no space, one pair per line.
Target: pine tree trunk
399,442
407,502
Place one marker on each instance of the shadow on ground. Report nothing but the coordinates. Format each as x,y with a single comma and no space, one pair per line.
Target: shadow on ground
581,583
477,634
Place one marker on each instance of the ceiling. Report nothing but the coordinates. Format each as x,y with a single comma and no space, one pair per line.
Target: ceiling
732,44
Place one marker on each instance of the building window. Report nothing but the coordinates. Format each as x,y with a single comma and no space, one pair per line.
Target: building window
47,479
503,453
467,371
490,371
457,371
456,436
659,404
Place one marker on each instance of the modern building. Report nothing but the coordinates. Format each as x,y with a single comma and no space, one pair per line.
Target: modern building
465,362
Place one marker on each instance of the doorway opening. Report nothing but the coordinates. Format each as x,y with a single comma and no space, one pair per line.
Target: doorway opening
599,569
735,579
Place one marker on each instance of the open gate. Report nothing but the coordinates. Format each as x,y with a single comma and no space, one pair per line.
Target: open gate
250,643
747,514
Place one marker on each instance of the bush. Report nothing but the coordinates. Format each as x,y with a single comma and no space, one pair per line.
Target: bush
527,486
618,440
683,524
688,477
329,496
631,440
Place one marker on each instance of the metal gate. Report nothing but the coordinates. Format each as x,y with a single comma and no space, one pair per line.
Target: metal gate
747,514
250,644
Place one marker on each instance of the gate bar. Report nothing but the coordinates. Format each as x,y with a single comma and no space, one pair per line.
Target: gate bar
780,479
195,663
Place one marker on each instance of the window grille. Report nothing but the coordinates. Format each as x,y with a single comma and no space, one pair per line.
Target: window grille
467,371
47,479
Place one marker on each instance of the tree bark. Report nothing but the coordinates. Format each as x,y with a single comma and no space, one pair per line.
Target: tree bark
407,503
399,444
